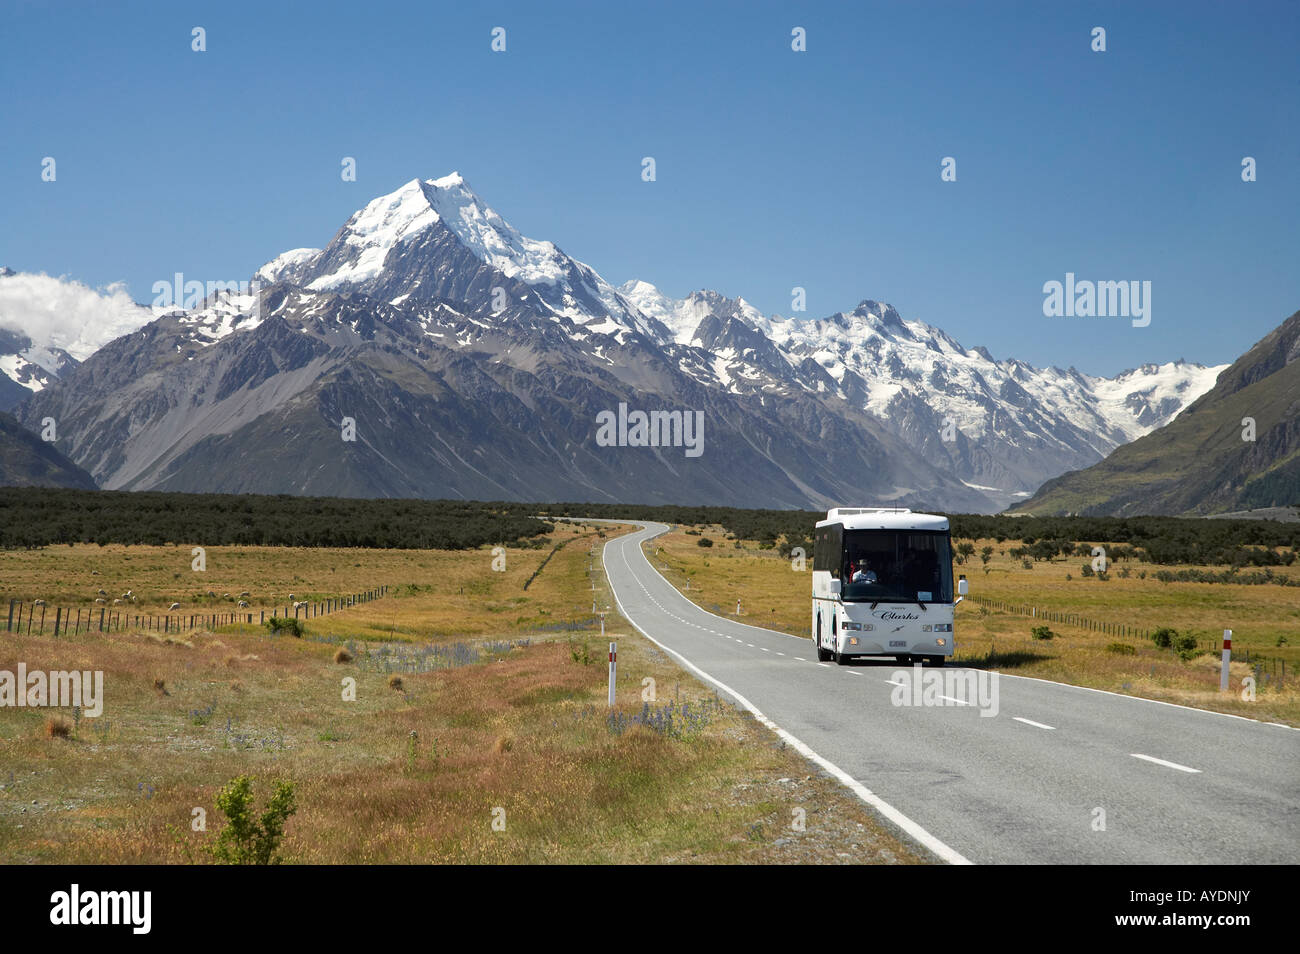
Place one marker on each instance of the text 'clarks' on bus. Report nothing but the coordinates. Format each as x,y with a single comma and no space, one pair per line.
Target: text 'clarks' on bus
882,585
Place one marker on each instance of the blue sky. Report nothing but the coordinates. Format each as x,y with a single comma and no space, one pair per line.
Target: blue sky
775,169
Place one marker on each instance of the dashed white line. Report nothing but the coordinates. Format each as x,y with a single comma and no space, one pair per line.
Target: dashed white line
1172,765
1036,725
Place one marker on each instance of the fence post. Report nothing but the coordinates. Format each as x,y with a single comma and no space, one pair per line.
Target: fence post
58,616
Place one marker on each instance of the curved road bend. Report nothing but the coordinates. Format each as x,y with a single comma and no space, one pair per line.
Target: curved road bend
1177,785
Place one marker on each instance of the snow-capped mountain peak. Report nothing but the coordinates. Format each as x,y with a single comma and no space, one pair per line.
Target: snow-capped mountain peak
436,238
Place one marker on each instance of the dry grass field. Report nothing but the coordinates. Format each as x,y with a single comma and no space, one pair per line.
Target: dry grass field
1265,620
479,730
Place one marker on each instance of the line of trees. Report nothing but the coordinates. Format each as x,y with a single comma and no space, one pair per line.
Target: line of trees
36,516
32,516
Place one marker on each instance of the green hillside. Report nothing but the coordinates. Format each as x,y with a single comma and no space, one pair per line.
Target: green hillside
1200,462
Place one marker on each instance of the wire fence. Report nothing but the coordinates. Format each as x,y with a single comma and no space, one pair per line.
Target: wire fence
1274,665
28,618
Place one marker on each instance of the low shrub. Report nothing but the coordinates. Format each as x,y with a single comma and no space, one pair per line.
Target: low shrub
1164,637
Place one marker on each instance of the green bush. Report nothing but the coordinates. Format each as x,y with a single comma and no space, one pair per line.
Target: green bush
284,624
246,840
1041,632
1185,646
704,542
1164,637
1122,649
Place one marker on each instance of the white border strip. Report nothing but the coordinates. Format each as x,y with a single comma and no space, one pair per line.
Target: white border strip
917,833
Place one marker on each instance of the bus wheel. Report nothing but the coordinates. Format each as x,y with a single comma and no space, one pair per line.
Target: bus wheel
822,654
842,659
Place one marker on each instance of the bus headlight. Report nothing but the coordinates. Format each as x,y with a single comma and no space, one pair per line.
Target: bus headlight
940,641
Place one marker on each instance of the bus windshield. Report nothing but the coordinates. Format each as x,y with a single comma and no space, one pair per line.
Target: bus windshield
896,565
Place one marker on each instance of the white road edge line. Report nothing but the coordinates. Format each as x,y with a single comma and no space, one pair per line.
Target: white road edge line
1036,725
919,834
1172,765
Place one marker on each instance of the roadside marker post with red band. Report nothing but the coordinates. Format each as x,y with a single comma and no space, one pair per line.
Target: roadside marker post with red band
613,670
1227,654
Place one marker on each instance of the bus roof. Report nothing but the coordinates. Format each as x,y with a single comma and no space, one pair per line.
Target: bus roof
883,518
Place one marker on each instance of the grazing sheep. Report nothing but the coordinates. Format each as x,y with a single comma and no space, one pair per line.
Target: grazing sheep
211,593
99,599
38,602
290,596
103,592
244,595
174,606
117,602
94,573
243,604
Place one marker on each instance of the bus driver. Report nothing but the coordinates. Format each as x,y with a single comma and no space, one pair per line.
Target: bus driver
863,573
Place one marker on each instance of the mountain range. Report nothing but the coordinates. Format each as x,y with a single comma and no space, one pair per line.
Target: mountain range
474,362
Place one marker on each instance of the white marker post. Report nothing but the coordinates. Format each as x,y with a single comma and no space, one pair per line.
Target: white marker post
737,607
613,670
1227,655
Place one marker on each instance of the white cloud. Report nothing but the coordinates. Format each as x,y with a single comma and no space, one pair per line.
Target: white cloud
62,313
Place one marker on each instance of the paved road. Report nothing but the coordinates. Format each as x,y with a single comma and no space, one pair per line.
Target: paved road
1177,785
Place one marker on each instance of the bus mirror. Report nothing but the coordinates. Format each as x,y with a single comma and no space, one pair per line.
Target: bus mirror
835,587
962,586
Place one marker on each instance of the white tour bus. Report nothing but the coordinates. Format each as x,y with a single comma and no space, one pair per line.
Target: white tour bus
882,585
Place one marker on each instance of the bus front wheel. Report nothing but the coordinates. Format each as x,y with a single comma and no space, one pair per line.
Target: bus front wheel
823,655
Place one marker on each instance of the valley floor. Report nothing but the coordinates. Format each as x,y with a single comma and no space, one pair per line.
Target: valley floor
479,730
